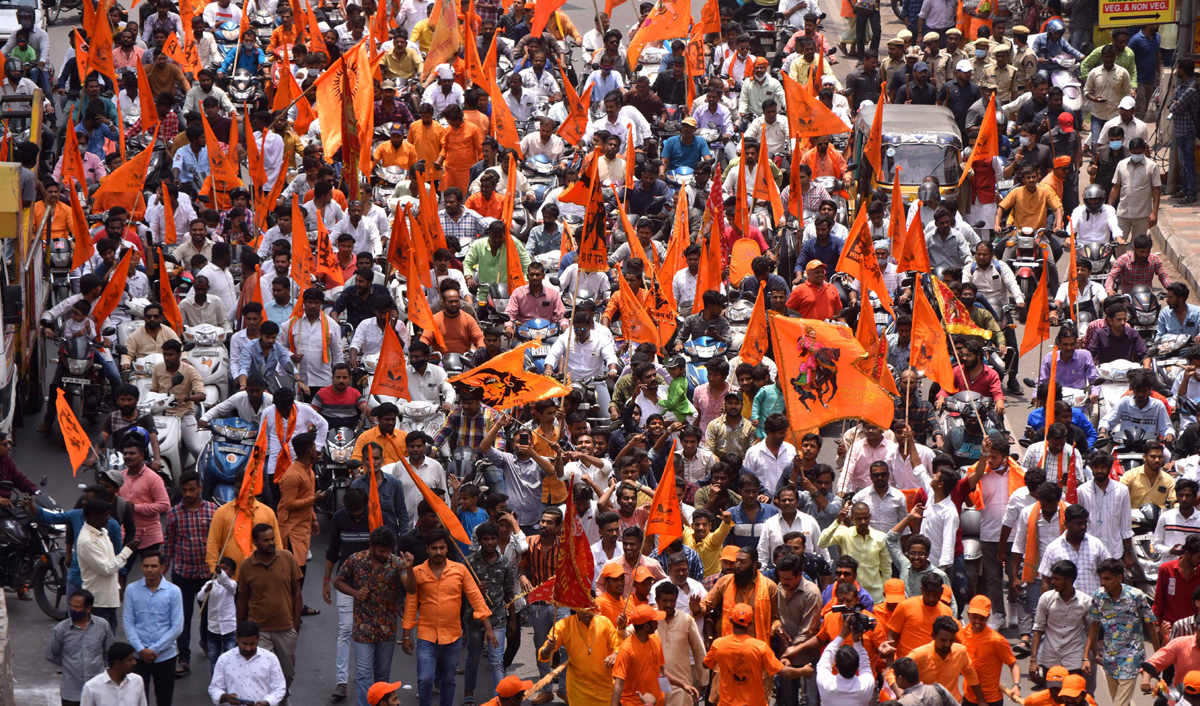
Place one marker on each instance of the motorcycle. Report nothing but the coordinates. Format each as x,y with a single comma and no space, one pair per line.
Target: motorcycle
963,404
224,457
1145,520
1064,75
1100,255
246,89
387,179
30,555
335,470
211,358
59,258
541,330
84,385
226,35
263,23
1023,255
1143,309
738,313
1114,383
420,416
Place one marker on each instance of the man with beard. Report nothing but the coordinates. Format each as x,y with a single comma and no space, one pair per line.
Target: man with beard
461,333
591,642
269,594
745,585
247,674
124,419
149,338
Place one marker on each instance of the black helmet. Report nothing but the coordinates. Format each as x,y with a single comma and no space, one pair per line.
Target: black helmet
928,192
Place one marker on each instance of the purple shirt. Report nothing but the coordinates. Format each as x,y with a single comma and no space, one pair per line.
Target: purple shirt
1077,372
709,405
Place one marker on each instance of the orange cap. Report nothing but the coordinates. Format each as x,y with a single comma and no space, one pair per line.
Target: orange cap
612,570
511,685
980,605
1191,682
1055,675
641,573
1073,685
742,615
381,689
729,553
947,594
642,614
893,591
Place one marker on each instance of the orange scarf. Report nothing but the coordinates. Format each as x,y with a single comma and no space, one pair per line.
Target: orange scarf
1016,479
284,460
324,335
762,608
1032,550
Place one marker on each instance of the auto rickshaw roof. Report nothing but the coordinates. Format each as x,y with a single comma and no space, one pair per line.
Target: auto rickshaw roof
901,120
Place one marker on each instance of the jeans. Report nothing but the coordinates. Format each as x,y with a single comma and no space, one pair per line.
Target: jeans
958,581
1027,607
1080,36
476,645
218,645
1097,129
162,674
189,587
543,616
345,608
866,18
372,663
438,662
1185,148
993,577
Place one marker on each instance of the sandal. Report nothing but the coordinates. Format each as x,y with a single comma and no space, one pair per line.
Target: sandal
306,611
1024,648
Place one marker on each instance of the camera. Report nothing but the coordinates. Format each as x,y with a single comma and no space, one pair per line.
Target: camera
857,617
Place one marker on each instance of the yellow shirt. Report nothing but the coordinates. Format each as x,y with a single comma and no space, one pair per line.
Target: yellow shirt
589,682
1142,491
422,34
1030,209
708,548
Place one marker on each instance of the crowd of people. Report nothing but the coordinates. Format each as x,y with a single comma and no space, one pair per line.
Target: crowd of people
799,576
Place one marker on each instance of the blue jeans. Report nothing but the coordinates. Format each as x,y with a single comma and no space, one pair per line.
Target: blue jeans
345,608
439,662
476,645
1028,606
217,646
543,616
1097,128
372,663
1185,146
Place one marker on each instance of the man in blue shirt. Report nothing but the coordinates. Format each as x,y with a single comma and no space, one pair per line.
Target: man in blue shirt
190,163
825,247
685,149
73,519
153,620
94,130
1178,316
248,56
1146,58
1050,44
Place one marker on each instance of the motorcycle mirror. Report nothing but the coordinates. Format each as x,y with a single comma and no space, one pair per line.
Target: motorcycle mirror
1160,295
108,331
1029,382
7,485
189,345
120,349
979,224
354,465
177,379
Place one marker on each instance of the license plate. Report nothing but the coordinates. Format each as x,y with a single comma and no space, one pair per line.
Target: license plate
1005,184
227,449
76,381
540,351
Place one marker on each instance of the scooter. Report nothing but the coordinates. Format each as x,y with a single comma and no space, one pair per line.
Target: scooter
1023,255
698,352
335,471
1143,309
541,330
211,358
169,429
1063,74
224,457
1145,520
1114,383
421,416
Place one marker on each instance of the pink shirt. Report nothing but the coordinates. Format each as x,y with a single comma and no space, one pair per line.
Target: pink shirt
862,455
1182,653
710,402
149,497
523,306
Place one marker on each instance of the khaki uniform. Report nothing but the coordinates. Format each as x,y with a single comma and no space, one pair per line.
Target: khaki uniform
943,71
888,66
1026,63
1006,82
979,69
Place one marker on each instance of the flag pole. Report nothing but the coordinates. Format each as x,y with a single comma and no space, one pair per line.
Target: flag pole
974,408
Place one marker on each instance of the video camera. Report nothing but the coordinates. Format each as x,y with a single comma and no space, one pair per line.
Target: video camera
859,619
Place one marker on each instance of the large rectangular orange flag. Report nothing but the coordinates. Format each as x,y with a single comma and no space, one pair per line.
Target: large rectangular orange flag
505,382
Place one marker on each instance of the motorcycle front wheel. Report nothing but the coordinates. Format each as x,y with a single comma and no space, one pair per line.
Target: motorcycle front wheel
898,10
50,587
52,12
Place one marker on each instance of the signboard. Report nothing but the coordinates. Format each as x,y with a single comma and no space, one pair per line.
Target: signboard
1129,13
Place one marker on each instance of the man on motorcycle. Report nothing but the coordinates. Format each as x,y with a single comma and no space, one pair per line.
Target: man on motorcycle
1139,266
117,423
975,376
39,41
1140,410
1179,317
1094,221
1029,204
590,357
1091,294
148,339
368,336
534,301
248,404
248,56
186,393
1047,47
340,404
947,247
994,281
712,111
685,149
1075,368
1116,340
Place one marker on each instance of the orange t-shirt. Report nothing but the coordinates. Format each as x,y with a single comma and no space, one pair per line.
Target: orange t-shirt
831,627
336,195
609,606
833,165
478,119
913,620
639,664
989,653
935,670
742,660
813,303
488,208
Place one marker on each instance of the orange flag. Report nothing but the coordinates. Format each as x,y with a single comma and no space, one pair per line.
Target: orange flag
914,255
674,261
231,146
74,437
635,246
807,116
812,355
710,274
1072,282
875,364
272,199
664,518
610,4
630,160
897,223
858,260
303,264
512,256
287,92
1051,382
254,156
427,216
690,64
446,38
327,263
170,236
113,291
575,569
575,124
506,383
100,51
955,317
668,20
374,507
504,127
765,188
316,40
542,12
873,149
84,247
758,333
640,327
741,210
72,161
391,373
185,54
593,242
987,142
1037,321
419,311
166,297
223,168
252,485
439,506
352,69
475,71
928,353
490,61
130,177
146,99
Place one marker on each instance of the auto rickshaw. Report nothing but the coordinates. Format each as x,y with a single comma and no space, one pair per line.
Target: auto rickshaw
922,140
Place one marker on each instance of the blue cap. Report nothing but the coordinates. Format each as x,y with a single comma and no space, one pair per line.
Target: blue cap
920,66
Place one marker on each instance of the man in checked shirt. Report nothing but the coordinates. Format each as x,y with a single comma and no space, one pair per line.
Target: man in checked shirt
183,551
1139,266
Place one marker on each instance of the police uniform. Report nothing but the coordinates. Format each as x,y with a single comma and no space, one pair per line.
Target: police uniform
887,64
1024,60
1005,80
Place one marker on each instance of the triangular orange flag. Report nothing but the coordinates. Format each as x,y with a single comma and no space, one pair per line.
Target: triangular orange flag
674,261
453,526
316,40
72,161
858,260
635,246
166,297
640,328
512,257
806,115
1051,382
593,243
446,37
303,263
254,157
419,311
84,248
873,149
875,364
252,485
113,291
630,159
758,335
74,437
928,353
987,142
669,19
575,124
914,254
272,199
223,169
542,12
231,146
664,518
100,51
170,234
146,99
765,188
391,375
1037,321
327,263
710,275
1072,281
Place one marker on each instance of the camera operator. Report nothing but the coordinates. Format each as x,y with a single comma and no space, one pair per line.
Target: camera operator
848,613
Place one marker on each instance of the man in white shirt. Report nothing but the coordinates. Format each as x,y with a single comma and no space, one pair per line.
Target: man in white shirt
220,281
940,520
521,103
412,12
427,383
1174,524
315,340
249,404
284,419
616,120
1094,221
539,80
444,91
771,459
117,685
591,357
363,230
888,505
426,468
98,563
870,447
270,147
252,675
691,591
683,284
839,676
544,141
788,520
181,207
1127,121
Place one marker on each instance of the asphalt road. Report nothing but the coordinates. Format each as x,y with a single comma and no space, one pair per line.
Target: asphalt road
36,680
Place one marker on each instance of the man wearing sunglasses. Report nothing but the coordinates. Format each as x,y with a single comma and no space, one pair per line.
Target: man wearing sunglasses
591,356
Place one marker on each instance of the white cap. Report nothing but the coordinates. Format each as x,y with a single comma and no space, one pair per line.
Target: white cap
828,80
964,65
1127,103
445,71
323,26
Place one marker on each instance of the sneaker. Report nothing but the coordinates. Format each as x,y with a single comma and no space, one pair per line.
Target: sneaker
542,698
1014,388
339,692
44,428
1186,201
996,622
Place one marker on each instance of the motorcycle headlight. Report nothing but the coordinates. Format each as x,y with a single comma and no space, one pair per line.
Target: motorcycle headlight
207,340
341,455
77,366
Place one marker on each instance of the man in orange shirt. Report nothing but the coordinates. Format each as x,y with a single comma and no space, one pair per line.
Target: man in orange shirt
618,306
988,650
460,330
894,593
1050,696
425,135
943,661
815,298
743,661
611,603
461,148
643,581
911,625
486,202
826,162
640,662
509,692
396,152
59,223
435,610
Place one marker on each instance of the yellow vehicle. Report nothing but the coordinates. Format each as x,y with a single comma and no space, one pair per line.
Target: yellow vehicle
922,140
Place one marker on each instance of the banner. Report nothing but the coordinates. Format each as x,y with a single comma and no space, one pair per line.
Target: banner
391,372
505,383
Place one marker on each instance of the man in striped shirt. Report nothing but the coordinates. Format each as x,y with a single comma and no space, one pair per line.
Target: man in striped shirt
537,566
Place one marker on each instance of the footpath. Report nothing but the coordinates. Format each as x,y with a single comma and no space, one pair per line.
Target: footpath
1177,239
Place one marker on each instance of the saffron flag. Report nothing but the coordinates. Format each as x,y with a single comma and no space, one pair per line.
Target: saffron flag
873,149
327,263
374,507
316,41
668,20
505,383
439,506
289,91
664,518
542,12
170,235
639,326
636,250
446,39
575,124
928,353
1051,383
84,247
1072,279
955,316
113,291
875,364
391,372
512,257
303,264
146,98
268,204
630,162
820,381
72,160
419,311
100,51
223,169
593,241
710,274
74,437
858,260
543,591
231,146
254,156
914,254
347,80
166,297
575,569
130,177
252,485
806,115
987,142
504,127
765,188
673,261
758,333
1037,321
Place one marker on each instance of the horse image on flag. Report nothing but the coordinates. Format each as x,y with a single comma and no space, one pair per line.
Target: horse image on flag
817,379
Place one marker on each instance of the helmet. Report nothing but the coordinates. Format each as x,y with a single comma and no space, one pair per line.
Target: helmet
13,64
1093,197
928,192
1054,27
